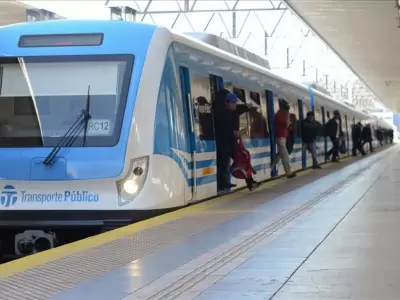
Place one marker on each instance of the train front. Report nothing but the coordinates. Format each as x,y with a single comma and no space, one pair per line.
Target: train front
67,92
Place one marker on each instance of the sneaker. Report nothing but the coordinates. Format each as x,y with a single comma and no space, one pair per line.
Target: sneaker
317,167
291,175
254,186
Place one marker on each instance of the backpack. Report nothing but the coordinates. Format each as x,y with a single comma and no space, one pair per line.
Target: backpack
241,167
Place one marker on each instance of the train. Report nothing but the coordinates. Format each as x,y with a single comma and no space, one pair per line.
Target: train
111,122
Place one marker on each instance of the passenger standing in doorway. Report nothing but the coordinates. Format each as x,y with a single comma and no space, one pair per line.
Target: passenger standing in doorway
356,136
334,132
226,111
225,138
367,137
310,129
282,123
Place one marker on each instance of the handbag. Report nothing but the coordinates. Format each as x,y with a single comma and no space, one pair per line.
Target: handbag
342,148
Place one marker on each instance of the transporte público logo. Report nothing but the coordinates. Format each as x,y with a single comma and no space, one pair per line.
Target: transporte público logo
10,196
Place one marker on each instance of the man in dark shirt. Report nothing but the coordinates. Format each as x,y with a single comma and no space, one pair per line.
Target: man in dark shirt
367,137
226,111
334,132
356,136
309,130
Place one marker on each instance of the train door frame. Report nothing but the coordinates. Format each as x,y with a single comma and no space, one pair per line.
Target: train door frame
347,134
324,114
300,108
185,81
319,117
269,95
295,108
200,147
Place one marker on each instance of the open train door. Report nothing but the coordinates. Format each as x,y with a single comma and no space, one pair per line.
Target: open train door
198,93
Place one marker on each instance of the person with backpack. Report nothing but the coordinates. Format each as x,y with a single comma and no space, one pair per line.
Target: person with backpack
242,168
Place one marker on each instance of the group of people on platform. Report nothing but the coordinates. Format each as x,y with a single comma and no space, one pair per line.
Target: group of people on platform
362,135
227,111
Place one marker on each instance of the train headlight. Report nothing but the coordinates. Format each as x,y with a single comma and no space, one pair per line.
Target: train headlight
130,186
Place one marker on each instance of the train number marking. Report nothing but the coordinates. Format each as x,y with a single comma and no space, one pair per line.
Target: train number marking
99,127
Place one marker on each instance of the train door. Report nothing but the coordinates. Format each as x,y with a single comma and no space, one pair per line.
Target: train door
244,126
329,144
307,157
320,138
279,166
259,135
347,135
202,159
296,158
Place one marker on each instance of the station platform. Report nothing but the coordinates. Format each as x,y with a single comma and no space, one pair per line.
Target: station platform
327,234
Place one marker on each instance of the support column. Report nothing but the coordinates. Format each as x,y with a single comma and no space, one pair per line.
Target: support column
234,31
266,43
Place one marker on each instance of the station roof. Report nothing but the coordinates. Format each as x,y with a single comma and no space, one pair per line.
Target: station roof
365,34
12,12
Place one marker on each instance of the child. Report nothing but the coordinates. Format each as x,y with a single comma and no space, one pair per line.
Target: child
242,168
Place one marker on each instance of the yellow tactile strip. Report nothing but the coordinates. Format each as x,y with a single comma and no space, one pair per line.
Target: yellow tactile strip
48,280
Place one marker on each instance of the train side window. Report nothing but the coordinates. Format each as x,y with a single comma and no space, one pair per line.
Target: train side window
318,115
201,97
257,117
243,119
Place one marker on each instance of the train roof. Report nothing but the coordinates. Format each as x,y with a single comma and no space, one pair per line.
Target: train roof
239,58
227,46
274,79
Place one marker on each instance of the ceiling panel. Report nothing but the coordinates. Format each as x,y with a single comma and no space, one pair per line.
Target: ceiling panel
365,35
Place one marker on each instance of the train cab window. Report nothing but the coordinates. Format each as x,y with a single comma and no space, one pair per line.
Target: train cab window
201,97
42,97
244,118
257,117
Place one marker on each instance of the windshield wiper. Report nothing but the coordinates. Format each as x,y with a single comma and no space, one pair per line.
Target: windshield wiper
72,133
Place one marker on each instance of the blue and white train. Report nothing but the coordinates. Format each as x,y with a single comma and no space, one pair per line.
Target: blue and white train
107,122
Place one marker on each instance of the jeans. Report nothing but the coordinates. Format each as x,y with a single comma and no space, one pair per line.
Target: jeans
223,163
335,148
312,148
282,154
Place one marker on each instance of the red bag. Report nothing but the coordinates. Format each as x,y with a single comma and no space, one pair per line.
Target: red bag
241,167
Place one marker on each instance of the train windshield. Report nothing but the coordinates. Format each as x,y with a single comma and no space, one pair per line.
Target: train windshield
41,97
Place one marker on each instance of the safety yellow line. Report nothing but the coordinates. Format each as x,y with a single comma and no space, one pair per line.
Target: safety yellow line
32,261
